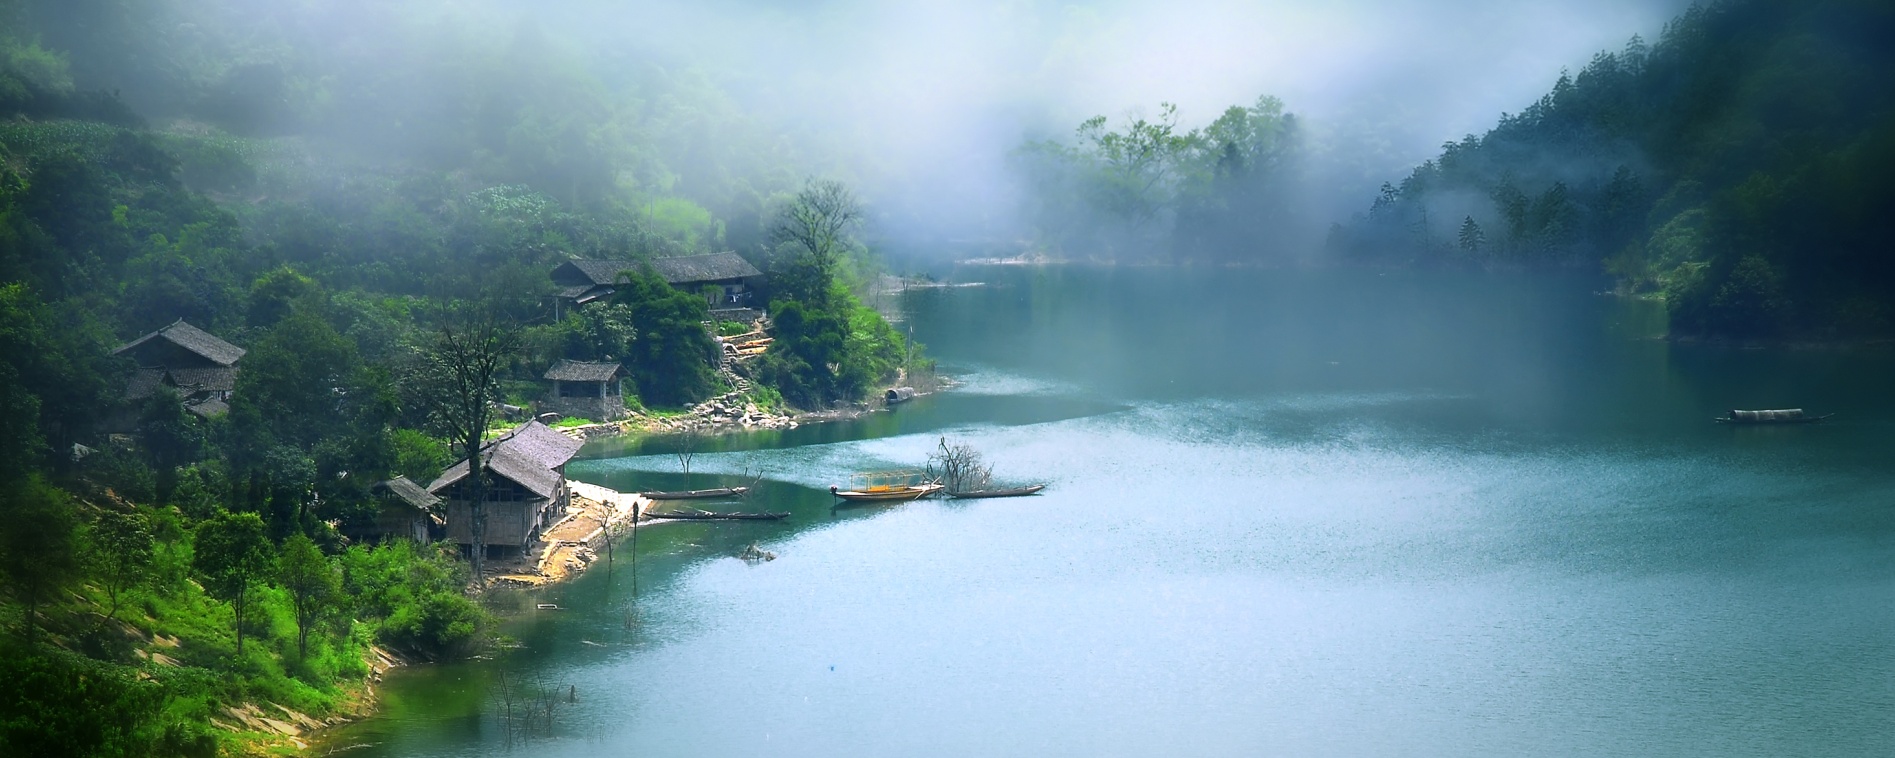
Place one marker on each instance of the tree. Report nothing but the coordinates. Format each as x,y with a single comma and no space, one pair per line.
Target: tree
169,435
37,527
312,584
817,226
230,555
960,467
672,356
456,379
120,550
688,442
1472,239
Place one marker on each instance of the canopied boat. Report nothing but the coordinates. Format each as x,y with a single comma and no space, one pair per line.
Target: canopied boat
891,494
1780,416
1031,489
888,486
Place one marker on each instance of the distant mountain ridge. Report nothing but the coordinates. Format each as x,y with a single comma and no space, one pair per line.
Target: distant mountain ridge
1737,167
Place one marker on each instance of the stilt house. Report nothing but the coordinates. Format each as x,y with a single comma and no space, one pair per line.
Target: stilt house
526,488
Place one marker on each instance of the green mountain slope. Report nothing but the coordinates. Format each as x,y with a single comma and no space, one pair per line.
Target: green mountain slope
1733,167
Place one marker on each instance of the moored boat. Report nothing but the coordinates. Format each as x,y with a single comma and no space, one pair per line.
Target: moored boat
696,494
999,492
890,493
1779,416
709,516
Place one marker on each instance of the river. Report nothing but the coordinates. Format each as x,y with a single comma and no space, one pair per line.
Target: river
1291,513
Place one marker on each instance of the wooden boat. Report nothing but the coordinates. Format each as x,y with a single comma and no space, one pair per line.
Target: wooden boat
891,494
697,494
1002,492
1782,416
709,516
896,395
888,486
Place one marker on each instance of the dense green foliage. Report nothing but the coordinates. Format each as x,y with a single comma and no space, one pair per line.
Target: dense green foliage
1731,166
829,348
671,357
330,188
1223,192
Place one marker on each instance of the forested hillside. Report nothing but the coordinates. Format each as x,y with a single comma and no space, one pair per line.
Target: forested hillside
337,190
1229,191
1733,168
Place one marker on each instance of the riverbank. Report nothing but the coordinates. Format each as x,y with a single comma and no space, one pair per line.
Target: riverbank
595,516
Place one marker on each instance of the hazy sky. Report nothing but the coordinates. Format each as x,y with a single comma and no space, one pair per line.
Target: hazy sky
932,94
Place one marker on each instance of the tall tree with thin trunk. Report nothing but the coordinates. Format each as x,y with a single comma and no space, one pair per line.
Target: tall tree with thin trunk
231,554
312,584
120,550
457,379
37,529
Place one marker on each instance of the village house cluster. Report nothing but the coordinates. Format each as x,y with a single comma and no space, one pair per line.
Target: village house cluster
527,489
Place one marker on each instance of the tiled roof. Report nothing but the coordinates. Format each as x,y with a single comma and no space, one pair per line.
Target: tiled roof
143,382
527,455
220,379
540,443
578,371
409,492
208,408
685,269
193,339
601,272
691,269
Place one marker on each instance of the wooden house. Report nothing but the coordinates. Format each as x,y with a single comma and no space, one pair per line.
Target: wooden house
404,511
526,488
584,281
586,390
201,367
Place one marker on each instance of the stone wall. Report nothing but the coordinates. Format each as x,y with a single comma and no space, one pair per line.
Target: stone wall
608,408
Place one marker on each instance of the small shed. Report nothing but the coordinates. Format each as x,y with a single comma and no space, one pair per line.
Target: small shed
587,390
406,510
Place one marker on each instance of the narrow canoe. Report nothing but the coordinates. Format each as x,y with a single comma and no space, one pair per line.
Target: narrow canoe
1009,492
697,494
708,516
1784,416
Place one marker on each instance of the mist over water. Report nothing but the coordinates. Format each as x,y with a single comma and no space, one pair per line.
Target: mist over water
1432,514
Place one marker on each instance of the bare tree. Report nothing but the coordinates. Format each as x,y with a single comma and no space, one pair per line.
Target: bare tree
959,467
456,378
688,442
819,220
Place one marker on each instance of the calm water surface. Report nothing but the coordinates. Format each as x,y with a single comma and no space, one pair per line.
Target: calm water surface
1335,513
